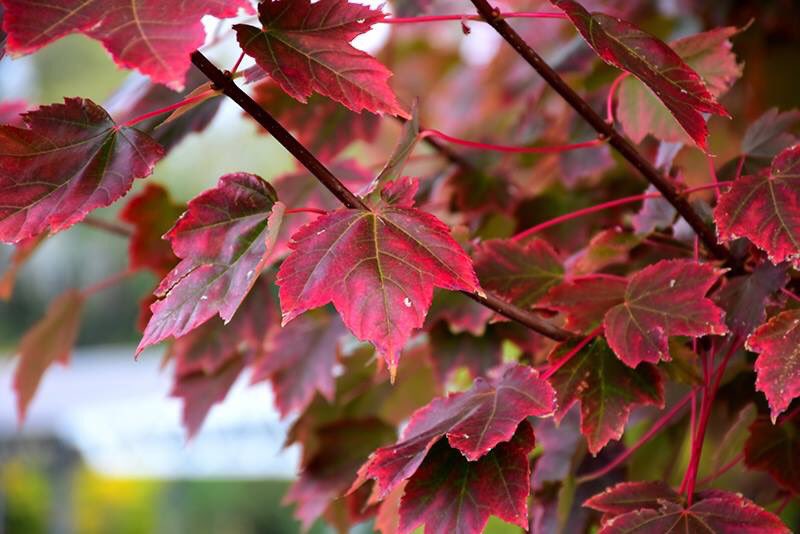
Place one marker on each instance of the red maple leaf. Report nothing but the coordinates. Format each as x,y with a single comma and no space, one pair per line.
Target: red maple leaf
449,493
778,364
662,510
474,422
70,159
625,46
662,300
224,240
306,48
584,302
153,36
765,208
152,212
49,341
299,358
775,448
606,388
377,266
521,273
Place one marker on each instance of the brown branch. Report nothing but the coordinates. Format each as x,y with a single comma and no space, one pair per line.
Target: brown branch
492,16
326,177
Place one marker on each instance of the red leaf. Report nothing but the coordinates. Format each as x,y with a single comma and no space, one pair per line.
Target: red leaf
521,273
448,493
3,36
224,240
744,298
778,363
625,46
69,160
713,512
152,212
662,300
343,446
299,359
49,341
319,124
765,208
631,496
211,345
606,388
306,48
710,54
474,422
200,391
378,267
585,301
153,36
775,449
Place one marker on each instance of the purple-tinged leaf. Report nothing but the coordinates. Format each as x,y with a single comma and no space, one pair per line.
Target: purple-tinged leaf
70,158
775,448
225,239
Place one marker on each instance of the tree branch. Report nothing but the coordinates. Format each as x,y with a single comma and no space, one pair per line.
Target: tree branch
615,139
347,197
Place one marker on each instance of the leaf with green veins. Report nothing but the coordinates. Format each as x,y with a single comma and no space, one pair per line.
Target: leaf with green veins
606,388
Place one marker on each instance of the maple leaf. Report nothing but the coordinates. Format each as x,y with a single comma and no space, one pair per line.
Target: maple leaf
299,359
152,212
744,298
775,449
318,124
377,266
585,301
49,341
343,446
474,422
153,36
306,48
662,300
662,511
224,240
625,46
200,391
765,208
710,55
778,364
448,493
521,273
69,159
606,388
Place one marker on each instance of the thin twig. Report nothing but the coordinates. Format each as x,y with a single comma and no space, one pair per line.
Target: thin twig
615,139
348,198
107,226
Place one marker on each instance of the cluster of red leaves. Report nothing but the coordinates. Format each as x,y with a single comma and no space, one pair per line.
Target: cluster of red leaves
643,322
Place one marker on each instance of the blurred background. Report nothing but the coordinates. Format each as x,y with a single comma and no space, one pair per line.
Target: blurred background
103,449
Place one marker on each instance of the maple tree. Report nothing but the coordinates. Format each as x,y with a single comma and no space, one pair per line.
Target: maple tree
593,326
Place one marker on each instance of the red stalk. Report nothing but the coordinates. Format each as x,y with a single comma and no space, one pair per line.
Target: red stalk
612,91
167,109
476,18
606,205
512,149
306,210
